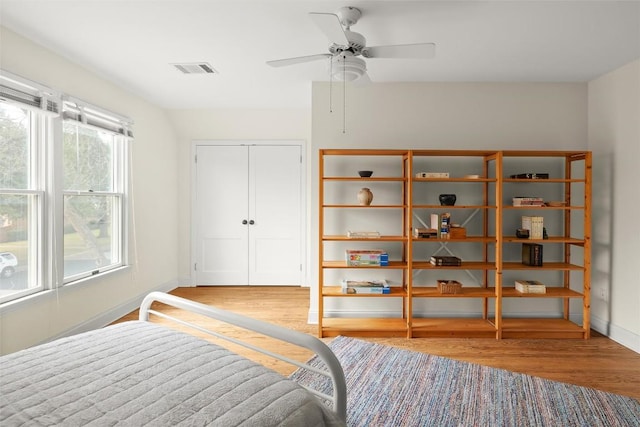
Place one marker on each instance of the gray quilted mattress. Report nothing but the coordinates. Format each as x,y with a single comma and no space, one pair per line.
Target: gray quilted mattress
139,374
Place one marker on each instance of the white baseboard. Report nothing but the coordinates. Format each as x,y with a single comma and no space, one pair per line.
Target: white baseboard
620,335
115,313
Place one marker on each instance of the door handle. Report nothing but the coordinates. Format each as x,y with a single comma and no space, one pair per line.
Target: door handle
244,222
252,222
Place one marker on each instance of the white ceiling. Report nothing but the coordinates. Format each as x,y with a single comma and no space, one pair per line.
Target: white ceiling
132,42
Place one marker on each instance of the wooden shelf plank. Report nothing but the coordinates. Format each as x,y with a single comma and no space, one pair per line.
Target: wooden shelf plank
452,327
364,327
366,206
343,264
466,265
336,291
454,179
541,328
552,292
545,266
454,207
468,239
359,179
465,292
364,239
551,239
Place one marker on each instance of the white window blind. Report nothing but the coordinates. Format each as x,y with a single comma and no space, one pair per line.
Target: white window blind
26,93
77,110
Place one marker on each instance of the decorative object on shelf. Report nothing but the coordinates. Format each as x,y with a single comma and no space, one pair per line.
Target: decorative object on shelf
472,176
457,232
522,233
365,196
365,174
445,221
447,199
449,286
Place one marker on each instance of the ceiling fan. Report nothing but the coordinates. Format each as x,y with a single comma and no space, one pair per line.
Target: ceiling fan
346,47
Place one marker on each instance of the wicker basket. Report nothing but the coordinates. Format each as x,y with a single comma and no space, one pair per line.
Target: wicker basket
449,286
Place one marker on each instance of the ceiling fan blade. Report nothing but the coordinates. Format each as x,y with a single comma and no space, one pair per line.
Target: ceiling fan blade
298,60
329,24
418,51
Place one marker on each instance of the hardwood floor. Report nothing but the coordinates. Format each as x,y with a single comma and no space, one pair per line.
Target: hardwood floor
598,362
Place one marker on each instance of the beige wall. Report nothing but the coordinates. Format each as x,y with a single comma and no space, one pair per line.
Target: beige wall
614,138
443,116
153,245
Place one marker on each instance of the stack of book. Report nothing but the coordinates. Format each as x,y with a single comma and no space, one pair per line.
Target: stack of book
528,201
532,254
530,175
363,234
535,225
530,287
365,287
445,260
355,258
425,233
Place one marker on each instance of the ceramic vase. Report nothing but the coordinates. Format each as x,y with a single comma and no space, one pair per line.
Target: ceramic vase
365,196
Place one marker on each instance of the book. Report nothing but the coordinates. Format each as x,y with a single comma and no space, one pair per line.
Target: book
530,175
365,287
366,290
363,234
530,287
357,258
532,254
527,201
425,232
432,175
535,225
445,260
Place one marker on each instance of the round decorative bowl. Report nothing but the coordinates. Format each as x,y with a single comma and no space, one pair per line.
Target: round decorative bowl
365,174
447,199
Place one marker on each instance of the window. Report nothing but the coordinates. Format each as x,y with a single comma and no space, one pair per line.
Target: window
77,159
20,203
93,200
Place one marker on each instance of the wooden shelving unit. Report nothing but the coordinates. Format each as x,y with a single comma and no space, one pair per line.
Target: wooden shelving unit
487,305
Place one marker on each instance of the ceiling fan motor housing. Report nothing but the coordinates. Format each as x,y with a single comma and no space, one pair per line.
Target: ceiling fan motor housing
348,68
357,42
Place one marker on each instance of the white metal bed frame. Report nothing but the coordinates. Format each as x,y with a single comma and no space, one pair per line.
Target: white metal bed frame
333,370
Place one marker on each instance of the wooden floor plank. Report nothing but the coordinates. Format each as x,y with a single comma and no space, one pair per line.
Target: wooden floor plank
599,362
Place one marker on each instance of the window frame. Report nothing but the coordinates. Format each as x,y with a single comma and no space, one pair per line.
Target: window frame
120,186
46,108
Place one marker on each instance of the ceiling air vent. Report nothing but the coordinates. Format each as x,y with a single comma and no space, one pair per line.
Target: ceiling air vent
195,68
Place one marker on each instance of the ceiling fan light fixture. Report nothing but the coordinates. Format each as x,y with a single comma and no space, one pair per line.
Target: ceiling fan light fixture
348,68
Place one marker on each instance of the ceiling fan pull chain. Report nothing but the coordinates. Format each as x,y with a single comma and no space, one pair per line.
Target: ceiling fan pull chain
330,84
344,94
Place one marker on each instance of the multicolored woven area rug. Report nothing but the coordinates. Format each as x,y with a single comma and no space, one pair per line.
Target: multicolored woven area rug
388,386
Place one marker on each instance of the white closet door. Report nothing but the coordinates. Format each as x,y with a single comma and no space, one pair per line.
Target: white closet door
221,208
275,208
248,215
